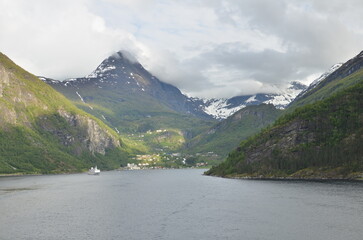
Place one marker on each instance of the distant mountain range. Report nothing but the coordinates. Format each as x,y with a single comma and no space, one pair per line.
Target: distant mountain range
131,100
223,108
121,110
129,76
126,77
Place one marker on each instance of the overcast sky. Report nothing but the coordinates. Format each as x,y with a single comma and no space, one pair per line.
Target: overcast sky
207,48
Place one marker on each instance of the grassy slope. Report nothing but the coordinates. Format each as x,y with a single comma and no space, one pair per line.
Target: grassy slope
327,144
25,145
137,113
323,91
226,135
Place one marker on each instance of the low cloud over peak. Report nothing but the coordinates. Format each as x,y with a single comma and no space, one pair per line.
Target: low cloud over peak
206,48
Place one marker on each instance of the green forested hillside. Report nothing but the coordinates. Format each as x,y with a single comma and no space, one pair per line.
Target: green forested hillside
225,136
43,132
319,140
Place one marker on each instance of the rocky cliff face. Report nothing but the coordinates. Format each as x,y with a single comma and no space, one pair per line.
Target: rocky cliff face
322,140
283,140
95,138
4,80
42,131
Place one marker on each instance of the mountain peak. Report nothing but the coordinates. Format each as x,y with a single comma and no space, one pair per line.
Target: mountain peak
124,55
115,65
360,54
296,85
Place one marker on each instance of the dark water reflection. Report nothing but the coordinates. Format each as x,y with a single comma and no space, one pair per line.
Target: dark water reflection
177,204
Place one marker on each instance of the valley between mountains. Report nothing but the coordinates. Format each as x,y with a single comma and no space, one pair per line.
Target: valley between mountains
121,113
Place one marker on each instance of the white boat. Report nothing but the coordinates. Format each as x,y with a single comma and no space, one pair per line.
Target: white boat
94,171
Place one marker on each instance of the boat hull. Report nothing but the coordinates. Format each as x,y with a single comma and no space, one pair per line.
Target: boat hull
94,171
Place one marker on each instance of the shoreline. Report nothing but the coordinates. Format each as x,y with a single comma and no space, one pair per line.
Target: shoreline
69,173
36,174
358,179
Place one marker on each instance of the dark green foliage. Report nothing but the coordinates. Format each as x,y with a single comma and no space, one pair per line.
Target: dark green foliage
223,137
325,137
23,150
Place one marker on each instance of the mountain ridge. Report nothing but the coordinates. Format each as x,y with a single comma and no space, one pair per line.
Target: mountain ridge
224,136
320,137
118,68
222,108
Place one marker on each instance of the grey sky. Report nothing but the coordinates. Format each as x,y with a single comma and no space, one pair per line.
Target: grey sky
207,48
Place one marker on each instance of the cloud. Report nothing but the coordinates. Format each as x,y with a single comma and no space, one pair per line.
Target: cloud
208,48
58,39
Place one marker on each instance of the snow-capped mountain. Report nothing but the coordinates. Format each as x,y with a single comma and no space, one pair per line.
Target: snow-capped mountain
337,71
121,78
223,108
319,79
123,75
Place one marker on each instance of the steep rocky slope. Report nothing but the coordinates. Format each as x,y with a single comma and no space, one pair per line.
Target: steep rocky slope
319,136
322,140
41,131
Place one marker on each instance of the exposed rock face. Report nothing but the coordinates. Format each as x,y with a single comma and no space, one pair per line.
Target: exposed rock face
96,139
4,79
42,132
321,140
20,97
283,139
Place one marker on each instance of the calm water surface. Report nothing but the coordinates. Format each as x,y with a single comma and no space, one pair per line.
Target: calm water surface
177,204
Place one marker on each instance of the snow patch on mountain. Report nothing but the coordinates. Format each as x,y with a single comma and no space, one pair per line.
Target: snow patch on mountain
223,108
44,79
219,108
286,96
251,99
326,74
101,70
79,95
319,79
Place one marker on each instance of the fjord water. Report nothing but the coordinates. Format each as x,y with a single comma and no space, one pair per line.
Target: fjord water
177,204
